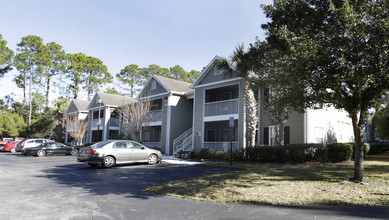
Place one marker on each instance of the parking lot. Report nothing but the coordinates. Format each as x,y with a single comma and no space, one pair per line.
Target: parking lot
57,187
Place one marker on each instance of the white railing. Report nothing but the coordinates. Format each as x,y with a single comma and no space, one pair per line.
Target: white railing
183,142
95,123
225,107
225,146
152,144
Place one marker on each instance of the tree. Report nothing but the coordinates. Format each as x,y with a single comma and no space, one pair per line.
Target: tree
6,56
133,78
325,53
96,75
59,107
154,69
29,60
77,128
382,120
54,59
11,125
111,91
76,71
134,116
239,66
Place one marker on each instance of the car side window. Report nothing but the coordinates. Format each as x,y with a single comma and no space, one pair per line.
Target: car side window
136,145
120,145
39,141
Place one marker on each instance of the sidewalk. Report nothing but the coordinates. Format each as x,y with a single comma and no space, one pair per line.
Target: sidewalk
174,160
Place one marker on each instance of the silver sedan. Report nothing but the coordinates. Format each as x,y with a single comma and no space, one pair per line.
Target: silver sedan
112,152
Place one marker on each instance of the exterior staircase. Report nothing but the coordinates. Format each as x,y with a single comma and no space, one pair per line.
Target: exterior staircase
184,143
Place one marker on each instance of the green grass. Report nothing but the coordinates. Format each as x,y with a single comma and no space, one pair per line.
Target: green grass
287,184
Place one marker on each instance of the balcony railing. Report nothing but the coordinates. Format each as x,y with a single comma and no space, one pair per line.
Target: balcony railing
225,146
155,115
225,107
95,123
114,122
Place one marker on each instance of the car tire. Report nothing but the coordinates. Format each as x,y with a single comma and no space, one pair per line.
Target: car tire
109,162
93,165
74,152
13,150
152,159
41,153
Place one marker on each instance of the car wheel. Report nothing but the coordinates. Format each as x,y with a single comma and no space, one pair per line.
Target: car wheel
153,159
41,153
74,152
13,150
92,165
109,162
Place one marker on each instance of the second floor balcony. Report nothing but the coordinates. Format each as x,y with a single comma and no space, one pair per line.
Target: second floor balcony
155,115
225,107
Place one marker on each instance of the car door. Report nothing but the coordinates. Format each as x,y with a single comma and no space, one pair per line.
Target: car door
137,152
56,148
120,151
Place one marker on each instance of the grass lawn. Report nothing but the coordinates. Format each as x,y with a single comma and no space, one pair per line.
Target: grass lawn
287,184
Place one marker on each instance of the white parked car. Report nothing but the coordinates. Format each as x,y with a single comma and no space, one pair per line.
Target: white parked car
33,142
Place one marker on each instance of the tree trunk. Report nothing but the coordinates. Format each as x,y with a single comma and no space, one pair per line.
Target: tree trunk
358,126
250,116
47,89
30,100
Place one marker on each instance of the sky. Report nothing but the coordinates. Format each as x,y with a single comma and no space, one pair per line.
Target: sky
188,33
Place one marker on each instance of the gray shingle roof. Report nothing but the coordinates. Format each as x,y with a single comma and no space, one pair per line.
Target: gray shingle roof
115,100
175,85
81,105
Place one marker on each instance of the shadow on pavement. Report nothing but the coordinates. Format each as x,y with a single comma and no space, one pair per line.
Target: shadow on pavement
129,180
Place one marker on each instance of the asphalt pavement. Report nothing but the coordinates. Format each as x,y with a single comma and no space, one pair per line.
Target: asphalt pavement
57,187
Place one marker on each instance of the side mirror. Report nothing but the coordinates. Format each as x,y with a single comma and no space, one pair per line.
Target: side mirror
142,148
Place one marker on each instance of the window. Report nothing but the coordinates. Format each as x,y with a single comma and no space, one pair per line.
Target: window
96,114
266,136
216,71
318,134
39,141
286,135
156,105
153,85
136,145
120,145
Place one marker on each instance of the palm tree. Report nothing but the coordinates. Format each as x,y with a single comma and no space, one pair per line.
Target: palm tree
240,65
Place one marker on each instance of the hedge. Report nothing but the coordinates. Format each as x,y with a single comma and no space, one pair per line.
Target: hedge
210,153
295,153
339,152
378,148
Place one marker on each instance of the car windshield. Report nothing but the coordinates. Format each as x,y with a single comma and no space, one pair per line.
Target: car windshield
100,144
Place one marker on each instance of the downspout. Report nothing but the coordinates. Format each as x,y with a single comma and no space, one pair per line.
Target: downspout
169,111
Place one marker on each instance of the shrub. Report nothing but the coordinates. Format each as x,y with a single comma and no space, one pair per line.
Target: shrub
220,154
206,153
339,152
238,155
300,153
378,148
296,153
261,153
210,153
